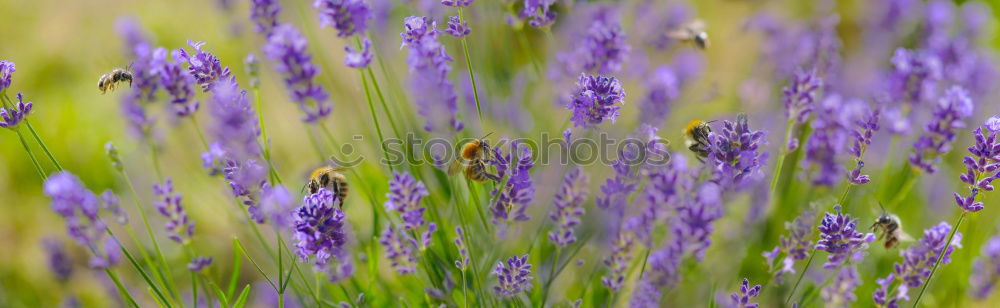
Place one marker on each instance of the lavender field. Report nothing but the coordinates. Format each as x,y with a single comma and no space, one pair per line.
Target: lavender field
499,153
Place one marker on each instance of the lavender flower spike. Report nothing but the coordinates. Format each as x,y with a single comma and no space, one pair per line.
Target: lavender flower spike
320,232
176,81
457,28
569,207
349,17
597,99
264,14
198,264
179,227
735,153
917,263
982,165
513,277
948,115
862,137
840,292
986,270
400,249
7,69
11,118
404,195
205,67
795,246
742,297
59,262
800,96
428,60
538,13
510,201
839,237
288,48
79,208
457,3
359,58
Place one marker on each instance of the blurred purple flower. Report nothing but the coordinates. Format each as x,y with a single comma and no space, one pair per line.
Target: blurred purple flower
952,109
277,205
359,58
405,194
58,260
602,49
400,249
832,128
246,179
7,69
205,67
840,292
179,227
457,3
349,17
595,100
741,298
569,207
538,13
510,201
234,123
664,88
321,232
619,260
917,263
264,14
131,31
79,208
110,202
513,277
428,60
10,118
986,270
463,252
839,237
914,77
796,246
800,95
176,82
457,28
198,264
288,49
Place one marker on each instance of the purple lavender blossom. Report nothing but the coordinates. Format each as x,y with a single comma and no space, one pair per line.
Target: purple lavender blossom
596,99
405,194
205,67
252,66
276,204
864,129
646,294
400,249
146,74
176,82
742,297
359,58
617,188
235,125
112,152
832,129
463,252
428,60
79,208
7,69
800,95
981,165
602,49
618,261
513,277
986,270
569,207
839,237
948,116
288,49
321,232
457,3
131,31
917,263
264,14
349,17
795,246
198,264
735,154
178,226
840,292
10,118
58,260
914,78
538,13
664,86
511,200
246,179
110,202
457,27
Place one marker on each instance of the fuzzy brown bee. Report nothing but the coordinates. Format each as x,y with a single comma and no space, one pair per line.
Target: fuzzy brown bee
110,80
693,32
889,228
331,179
473,158
696,138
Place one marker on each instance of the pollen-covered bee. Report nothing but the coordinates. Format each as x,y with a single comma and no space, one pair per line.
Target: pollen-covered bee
889,228
110,80
331,179
693,32
472,158
696,138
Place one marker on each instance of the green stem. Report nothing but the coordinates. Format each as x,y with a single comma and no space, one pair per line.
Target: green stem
940,256
197,129
552,277
138,268
911,180
378,127
472,76
34,161
803,273
149,230
42,144
263,135
385,107
781,158
121,288
155,158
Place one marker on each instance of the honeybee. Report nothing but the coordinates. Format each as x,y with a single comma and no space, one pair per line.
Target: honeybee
331,179
889,227
693,32
110,80
472,159
696,138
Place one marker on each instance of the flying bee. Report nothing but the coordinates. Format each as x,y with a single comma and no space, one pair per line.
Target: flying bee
473,158
696,138
331,179
110,80
889,228
693,32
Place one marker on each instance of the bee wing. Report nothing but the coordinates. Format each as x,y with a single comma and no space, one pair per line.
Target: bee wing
679,34
455,167
904,237
696,25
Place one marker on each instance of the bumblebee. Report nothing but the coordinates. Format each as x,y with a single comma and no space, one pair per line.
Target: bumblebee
110,80
331,179
472,159
693,32
696,138
890,229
